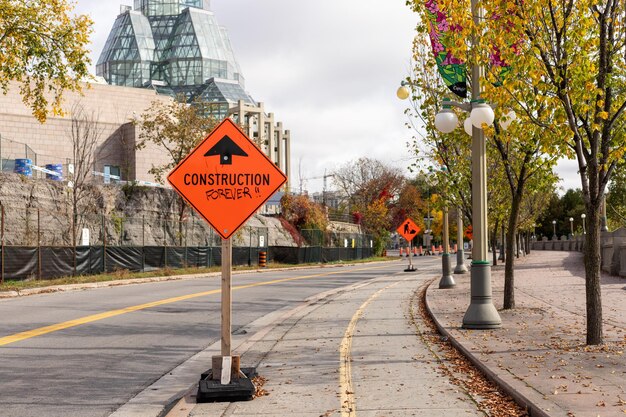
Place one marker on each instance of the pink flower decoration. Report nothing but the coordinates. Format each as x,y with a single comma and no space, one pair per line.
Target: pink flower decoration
451,60
431,6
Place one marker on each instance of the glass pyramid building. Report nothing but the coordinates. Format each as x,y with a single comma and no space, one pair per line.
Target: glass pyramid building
175,47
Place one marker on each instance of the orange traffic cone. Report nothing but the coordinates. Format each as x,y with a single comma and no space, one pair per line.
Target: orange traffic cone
455,248
433,251
421,251
401,252
440,250
414,250
408,252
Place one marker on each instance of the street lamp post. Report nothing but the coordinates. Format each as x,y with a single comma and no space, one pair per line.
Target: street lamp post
553,229
427,222
584,216
446,280
460,252
481,313
604,225
571,226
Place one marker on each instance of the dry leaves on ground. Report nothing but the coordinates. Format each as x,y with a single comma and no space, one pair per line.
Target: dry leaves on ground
258,382
460,370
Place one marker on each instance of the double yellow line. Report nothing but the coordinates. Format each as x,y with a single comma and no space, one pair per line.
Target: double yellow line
17,337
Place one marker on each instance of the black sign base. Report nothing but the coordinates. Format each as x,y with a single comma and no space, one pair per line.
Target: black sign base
411,268
212,391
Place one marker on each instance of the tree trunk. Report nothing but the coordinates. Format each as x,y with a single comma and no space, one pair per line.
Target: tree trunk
503,246
592,276
182,206
509,263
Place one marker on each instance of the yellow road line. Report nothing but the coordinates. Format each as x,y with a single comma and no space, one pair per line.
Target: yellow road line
108,314
348,400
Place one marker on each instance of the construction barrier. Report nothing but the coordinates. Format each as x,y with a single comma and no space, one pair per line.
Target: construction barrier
262,259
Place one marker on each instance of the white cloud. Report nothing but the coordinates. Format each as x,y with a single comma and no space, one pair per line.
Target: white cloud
567,169
328,69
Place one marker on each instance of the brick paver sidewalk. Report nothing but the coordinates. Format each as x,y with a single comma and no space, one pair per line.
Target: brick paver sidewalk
540,351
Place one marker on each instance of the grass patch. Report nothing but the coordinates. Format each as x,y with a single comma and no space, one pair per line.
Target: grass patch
124,274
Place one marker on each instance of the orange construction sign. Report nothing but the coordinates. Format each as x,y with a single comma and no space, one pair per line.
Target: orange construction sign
408,230
226,178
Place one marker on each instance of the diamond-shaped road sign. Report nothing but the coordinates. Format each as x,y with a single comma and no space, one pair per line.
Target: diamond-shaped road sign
226,178
408,229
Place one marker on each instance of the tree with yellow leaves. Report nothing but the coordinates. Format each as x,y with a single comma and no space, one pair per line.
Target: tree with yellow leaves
567,56
574,54
43,49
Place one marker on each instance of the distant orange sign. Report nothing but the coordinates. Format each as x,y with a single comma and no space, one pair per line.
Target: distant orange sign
408,229
226,178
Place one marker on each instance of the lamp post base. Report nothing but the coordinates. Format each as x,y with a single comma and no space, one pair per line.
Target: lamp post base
460,262
481,314
446,280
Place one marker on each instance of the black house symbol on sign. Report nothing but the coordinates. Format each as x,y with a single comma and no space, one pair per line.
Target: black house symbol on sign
226,149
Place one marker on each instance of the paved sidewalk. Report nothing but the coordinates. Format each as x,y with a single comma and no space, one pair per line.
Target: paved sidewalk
351,352
540,351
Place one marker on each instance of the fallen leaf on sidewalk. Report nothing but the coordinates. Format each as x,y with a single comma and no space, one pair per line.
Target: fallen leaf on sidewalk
258,382
457,367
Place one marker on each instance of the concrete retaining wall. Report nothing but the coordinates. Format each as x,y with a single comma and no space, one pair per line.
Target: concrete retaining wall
613,249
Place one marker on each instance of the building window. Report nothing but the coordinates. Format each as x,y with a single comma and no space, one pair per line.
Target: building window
112,173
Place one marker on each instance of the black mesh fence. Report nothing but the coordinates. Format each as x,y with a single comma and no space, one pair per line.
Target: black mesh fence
36,244
23,262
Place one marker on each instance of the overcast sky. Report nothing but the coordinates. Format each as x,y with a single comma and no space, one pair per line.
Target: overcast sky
327,69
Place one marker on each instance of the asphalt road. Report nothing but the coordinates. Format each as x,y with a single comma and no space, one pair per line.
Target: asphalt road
116,344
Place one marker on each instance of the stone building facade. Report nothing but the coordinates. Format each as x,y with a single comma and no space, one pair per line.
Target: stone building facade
162,50
111,107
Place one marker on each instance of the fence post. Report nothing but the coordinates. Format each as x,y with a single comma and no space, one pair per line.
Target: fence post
2,237
193,226
250,246
38,244
104,244
186,249
165,242
209,250
73,238
143,243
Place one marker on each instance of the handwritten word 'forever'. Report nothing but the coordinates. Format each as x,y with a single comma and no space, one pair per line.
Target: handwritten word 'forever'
228,193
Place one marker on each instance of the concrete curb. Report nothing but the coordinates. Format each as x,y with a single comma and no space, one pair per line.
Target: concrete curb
516,389
116,283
